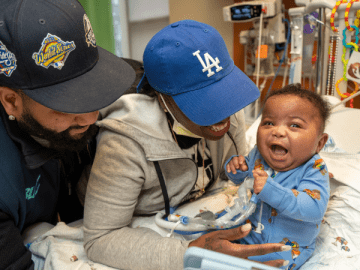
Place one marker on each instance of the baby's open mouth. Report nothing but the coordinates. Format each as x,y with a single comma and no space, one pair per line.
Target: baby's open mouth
278,150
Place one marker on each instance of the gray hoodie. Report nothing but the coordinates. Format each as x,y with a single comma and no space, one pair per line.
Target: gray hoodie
123,183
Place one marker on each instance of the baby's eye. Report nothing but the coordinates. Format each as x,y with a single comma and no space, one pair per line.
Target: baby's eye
294,125
268,124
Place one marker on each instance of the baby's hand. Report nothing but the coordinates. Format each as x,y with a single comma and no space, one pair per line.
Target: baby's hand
237,163
260,178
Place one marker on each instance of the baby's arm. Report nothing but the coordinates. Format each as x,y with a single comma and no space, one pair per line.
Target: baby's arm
237,167
307,202
236,163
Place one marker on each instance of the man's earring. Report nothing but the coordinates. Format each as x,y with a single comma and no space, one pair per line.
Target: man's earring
11,117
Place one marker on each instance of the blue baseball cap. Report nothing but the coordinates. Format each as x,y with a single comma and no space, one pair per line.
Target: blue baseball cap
189,62
48,49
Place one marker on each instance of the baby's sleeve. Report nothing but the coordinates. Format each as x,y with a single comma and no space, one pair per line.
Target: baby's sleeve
308,201
239,177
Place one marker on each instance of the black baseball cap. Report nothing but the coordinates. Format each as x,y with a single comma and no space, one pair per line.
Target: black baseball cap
48,49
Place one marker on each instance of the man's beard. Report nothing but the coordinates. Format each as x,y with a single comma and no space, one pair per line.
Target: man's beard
60,141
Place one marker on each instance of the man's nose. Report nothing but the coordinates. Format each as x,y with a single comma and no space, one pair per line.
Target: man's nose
86,119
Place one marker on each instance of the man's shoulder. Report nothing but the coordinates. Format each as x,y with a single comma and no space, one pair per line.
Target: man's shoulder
8,150
10,167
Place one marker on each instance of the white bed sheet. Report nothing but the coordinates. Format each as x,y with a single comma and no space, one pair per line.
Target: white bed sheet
338,244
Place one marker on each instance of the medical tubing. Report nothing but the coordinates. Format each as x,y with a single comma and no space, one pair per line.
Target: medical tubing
162,223
260,226
240,208
232,139
219,223
281,60
259,50
235,215
261,209
345,100
243,208
191,224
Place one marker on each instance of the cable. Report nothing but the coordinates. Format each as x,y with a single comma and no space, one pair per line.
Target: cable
280,62
259,49
345,100
232,139
173,229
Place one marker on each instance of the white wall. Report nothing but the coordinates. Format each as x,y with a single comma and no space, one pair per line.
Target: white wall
142,10
141,33
146,18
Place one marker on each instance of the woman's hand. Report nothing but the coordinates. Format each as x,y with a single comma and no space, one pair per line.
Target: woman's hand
219,241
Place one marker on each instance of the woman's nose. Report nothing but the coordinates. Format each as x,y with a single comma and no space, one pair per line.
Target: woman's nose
86,119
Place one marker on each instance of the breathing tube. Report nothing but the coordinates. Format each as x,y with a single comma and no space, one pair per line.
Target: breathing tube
244,206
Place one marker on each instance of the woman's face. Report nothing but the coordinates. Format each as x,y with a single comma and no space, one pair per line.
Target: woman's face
217,131
213,132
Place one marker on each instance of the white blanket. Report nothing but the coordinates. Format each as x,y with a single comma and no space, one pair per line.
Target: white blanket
61,248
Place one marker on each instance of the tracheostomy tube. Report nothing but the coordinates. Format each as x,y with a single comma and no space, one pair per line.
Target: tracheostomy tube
243,207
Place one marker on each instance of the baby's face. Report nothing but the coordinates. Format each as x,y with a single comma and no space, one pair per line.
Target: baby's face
289,132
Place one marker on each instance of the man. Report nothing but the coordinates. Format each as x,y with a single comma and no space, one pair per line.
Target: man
53,80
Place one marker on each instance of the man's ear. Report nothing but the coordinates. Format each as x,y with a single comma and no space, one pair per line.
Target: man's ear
323,139
11,101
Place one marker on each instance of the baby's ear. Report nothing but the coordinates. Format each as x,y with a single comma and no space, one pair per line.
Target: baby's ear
323,139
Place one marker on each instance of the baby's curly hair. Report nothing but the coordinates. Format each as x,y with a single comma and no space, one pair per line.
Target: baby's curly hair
295,89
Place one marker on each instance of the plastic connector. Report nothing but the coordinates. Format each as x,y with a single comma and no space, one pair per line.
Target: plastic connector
184,220
173,218
254,199
259,228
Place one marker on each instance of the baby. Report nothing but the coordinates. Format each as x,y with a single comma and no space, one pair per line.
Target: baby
296,193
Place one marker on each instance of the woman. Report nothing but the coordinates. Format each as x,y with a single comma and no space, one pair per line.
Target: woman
170,145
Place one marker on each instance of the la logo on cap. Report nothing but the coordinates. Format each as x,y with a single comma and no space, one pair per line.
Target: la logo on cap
208,66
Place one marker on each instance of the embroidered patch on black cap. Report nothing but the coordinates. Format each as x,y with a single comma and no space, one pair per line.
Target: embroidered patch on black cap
7,61
53,52
89,33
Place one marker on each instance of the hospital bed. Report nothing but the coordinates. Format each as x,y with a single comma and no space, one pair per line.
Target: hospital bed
337,246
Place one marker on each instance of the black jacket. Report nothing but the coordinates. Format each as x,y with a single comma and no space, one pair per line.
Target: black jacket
36,184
